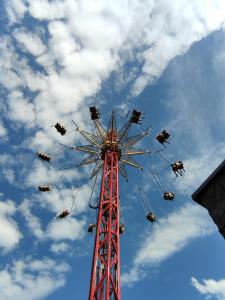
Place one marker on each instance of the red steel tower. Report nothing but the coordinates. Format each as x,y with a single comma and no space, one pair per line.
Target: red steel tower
110,150
105,278
105,281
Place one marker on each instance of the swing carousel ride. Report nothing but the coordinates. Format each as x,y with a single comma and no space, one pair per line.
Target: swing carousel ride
111,150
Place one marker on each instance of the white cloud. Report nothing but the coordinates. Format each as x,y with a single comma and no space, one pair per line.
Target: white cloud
9,65
3,131
67,229
8,165
41,140
76,56
16,10
80,53
198,168
196,132
210,288
175,26
60,197
135,274
9,175
59,248
20,110
189,98
163,29
33,222
86,42
31,42
169,236
10,234
42,174
32,279
44,9
16,72
6,160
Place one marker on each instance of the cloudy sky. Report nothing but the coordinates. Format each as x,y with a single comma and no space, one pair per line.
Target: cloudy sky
166,58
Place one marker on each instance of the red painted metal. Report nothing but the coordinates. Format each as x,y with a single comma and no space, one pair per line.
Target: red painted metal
105,278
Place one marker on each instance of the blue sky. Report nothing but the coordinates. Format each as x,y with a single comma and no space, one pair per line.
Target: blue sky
59,57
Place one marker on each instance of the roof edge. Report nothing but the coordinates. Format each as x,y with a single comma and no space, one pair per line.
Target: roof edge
207,181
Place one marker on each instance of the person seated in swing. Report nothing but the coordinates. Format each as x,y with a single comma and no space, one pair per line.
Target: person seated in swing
61,129
91,227
63,214
168,196
163,137
178,168
94,111
135,118
44,188
151,217
121,228
44,156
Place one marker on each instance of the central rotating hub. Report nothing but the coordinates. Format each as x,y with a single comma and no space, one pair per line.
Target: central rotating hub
111,144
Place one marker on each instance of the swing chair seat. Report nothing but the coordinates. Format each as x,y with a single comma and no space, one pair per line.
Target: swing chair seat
177,166
93,206
44,156
168,196
61,129
163,137
91,227
151,217
121,229
44,188
135,118
95,113
64,214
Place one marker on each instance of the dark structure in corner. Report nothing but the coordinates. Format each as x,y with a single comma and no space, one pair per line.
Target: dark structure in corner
211,195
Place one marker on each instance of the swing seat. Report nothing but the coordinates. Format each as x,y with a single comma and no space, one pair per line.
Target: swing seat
121,229
177,166
91,227
162,137
94,111
151,217
44,156
61,129
94,206
135,118
64,214
44,188
168,196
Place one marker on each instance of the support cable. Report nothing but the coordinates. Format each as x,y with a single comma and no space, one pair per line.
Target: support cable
163,156
92,191
74,197
158,183
121,212
145,204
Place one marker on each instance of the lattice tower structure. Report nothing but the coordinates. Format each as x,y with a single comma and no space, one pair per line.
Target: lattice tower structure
110,150
105,278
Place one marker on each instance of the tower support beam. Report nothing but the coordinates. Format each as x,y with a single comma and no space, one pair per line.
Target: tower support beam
105,277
